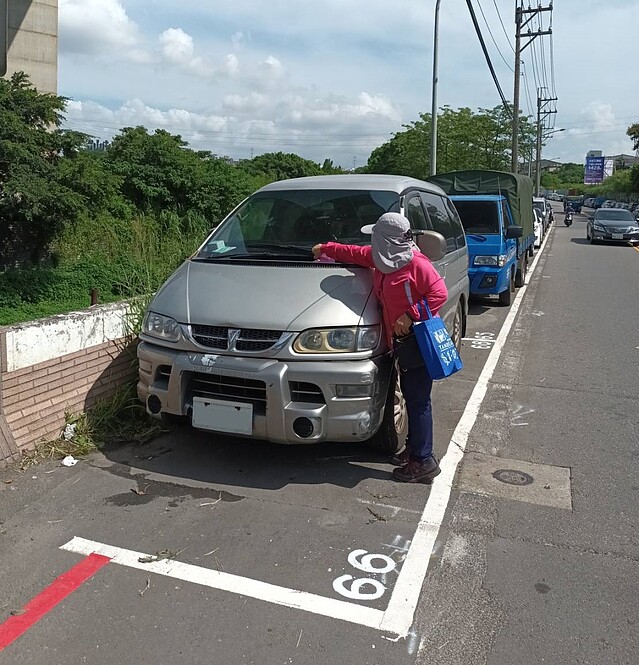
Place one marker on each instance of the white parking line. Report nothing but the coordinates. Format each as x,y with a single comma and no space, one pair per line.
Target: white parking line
244,586
400,612
398,616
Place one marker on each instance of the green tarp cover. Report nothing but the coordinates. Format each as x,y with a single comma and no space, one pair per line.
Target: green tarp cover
518,190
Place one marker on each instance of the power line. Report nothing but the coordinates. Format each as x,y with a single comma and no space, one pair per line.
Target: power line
490,32
503,27
487,56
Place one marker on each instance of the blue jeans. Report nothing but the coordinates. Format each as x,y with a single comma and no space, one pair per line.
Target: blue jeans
416,385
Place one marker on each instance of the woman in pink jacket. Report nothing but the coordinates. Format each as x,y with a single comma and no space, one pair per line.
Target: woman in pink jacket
403,277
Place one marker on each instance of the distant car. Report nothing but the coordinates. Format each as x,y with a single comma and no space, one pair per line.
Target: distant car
538,226
612,224
589,203
540,204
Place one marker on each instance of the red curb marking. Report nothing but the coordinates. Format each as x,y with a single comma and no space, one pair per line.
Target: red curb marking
46,600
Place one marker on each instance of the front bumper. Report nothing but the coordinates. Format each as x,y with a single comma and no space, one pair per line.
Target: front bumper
627,237
281,392
488,281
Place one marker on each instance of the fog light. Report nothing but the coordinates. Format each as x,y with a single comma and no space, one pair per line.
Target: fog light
345,391
154,404
303,427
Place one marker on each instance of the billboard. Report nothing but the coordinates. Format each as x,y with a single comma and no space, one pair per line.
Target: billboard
594,171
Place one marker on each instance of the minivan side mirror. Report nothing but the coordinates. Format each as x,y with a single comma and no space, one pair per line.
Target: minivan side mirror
432,245
514,232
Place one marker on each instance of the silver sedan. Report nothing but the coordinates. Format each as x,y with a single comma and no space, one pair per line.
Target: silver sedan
612,224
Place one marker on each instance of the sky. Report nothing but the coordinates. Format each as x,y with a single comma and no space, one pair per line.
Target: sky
334,79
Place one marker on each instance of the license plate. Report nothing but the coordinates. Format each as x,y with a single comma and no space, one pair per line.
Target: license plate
220,416
617,236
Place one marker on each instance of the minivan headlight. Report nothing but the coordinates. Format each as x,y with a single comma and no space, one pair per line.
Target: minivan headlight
162,327
337,340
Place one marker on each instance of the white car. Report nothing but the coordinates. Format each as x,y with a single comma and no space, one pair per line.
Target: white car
538,227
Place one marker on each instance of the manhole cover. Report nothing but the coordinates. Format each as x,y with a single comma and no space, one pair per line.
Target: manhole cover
512,477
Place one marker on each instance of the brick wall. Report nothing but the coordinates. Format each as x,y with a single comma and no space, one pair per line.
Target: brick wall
58,365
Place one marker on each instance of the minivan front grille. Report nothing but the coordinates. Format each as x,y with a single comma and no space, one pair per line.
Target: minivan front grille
257,340
213,337
232,339
307,393
230,389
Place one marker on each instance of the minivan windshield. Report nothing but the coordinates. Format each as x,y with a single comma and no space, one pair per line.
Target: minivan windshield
478,216
289,222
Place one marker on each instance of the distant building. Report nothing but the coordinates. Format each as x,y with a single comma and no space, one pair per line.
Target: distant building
31,43
621,162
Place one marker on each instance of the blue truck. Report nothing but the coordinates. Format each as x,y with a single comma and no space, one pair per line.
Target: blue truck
496,212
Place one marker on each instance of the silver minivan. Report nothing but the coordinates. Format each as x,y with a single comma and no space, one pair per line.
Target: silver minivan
252,337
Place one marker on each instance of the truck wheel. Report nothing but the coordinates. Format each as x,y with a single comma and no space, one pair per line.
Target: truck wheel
506,297
392,433
520,275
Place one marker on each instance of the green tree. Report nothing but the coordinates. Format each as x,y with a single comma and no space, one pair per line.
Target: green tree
280,166
567,176
35,201
466,139
633,133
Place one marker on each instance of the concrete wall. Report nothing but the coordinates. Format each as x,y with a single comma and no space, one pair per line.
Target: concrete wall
33,42
57,365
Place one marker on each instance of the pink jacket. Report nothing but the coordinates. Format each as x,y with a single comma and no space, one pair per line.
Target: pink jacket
400,291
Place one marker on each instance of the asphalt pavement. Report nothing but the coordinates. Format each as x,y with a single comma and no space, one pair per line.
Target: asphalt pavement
219,550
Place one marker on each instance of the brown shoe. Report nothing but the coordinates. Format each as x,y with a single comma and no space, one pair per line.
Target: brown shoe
418,472
400,459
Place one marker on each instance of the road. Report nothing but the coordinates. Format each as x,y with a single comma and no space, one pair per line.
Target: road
265,544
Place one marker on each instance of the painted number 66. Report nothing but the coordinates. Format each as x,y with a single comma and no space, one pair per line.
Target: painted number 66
363,561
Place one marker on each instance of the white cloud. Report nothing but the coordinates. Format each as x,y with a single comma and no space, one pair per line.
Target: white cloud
177,46
98,27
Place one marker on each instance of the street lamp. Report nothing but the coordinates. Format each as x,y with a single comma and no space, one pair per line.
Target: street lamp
433,111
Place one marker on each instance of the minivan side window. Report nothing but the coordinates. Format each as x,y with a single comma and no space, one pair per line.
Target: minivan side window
440,218
415,213
456,224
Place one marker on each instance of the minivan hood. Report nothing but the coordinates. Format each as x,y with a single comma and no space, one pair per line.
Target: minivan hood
264,295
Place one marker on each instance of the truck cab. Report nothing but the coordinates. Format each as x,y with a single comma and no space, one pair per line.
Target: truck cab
496,212
492,237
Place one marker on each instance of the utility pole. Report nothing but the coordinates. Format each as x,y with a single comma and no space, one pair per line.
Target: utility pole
530,36
542,114
4,35
433,110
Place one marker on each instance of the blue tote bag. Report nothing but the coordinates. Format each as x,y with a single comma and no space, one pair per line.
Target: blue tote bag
435,344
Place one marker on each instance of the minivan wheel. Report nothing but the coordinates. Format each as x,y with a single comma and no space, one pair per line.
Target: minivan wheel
458,326
392,433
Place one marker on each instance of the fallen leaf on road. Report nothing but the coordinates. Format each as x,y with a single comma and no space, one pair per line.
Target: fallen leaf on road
8,482
17,613
159,556
138,492
148,584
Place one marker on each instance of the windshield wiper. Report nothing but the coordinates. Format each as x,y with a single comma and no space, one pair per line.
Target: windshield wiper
264,251
281,249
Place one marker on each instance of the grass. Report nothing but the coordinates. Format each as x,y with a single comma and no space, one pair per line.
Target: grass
127,260
118,419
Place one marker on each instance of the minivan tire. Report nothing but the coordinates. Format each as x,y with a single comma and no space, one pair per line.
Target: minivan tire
391,435
458,326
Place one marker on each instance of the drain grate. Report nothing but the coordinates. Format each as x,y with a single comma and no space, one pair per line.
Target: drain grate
512,477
